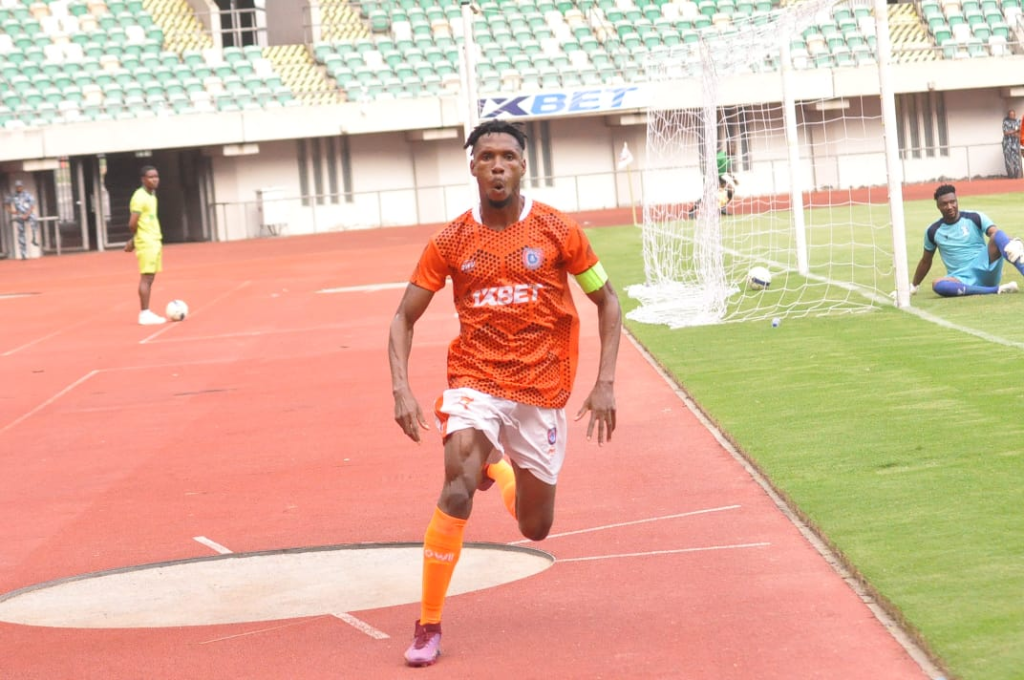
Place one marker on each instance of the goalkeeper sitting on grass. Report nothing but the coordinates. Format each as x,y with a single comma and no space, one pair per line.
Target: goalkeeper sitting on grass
726,186
973,266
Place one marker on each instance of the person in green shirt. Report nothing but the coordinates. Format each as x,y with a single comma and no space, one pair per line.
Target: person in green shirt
146,241
726,185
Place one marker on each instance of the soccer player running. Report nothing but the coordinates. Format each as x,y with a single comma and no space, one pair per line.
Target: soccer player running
512,366
146,241
973,267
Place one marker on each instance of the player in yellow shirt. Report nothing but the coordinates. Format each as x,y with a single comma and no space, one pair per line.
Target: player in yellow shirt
147,241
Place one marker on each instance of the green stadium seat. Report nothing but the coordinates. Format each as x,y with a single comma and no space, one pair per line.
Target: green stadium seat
10,99
52,95
263,95
284,95
32,97
233,83
163,73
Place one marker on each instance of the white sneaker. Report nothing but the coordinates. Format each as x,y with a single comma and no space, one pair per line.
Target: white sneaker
1010,287
1014,251
148,318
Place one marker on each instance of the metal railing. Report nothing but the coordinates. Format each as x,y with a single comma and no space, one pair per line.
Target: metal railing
322,213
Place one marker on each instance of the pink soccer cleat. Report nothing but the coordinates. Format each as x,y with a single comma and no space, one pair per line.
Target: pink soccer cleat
426,645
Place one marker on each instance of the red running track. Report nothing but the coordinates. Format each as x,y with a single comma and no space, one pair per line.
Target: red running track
265,422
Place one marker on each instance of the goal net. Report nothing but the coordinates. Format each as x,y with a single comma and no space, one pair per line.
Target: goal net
766,146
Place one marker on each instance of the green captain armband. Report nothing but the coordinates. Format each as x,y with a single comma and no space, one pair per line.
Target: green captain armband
592,279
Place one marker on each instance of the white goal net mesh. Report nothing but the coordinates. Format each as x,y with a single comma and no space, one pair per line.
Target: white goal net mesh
750,163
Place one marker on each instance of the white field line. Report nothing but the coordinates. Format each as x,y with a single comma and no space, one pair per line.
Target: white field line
883,616
362,626
253,334
367,288
939,321
212,545
737,546
97,371
170,324
632,523
358,624
49,401
32,343
260,631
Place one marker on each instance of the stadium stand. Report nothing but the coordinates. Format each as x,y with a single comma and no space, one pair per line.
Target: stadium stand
67,61
72,60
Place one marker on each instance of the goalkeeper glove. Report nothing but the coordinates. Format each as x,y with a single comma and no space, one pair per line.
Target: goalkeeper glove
913,290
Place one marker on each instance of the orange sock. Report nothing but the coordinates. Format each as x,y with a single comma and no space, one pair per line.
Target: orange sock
442,546
502,473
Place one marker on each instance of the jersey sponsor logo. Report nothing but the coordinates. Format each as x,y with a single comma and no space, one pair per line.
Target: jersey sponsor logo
503,296
438,556
533,258
468,266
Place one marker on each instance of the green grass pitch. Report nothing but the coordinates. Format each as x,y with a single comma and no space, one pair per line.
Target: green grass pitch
899,438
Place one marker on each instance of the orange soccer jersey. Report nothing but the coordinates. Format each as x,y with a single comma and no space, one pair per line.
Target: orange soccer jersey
519,334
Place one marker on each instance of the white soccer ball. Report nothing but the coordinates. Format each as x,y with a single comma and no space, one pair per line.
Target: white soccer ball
177,310
759,278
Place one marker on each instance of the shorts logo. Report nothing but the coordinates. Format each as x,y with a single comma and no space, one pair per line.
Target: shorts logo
465,402
533,258
552,436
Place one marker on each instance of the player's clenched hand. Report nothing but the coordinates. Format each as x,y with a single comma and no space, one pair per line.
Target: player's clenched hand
130,246
601,404
408,415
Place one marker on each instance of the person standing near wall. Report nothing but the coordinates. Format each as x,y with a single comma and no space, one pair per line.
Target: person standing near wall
22,206
146,241
1011,144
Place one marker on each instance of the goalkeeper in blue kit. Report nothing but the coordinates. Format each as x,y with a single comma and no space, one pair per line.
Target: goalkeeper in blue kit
974,265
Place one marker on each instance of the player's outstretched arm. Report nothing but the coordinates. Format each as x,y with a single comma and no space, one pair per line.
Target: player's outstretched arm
923,267
408,413
601,400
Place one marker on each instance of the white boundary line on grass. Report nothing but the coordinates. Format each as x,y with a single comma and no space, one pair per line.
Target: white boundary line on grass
939,321
919,655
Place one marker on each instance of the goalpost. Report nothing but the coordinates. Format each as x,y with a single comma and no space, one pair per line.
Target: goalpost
813,169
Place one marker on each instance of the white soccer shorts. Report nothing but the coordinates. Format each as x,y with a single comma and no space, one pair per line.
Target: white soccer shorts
533,437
